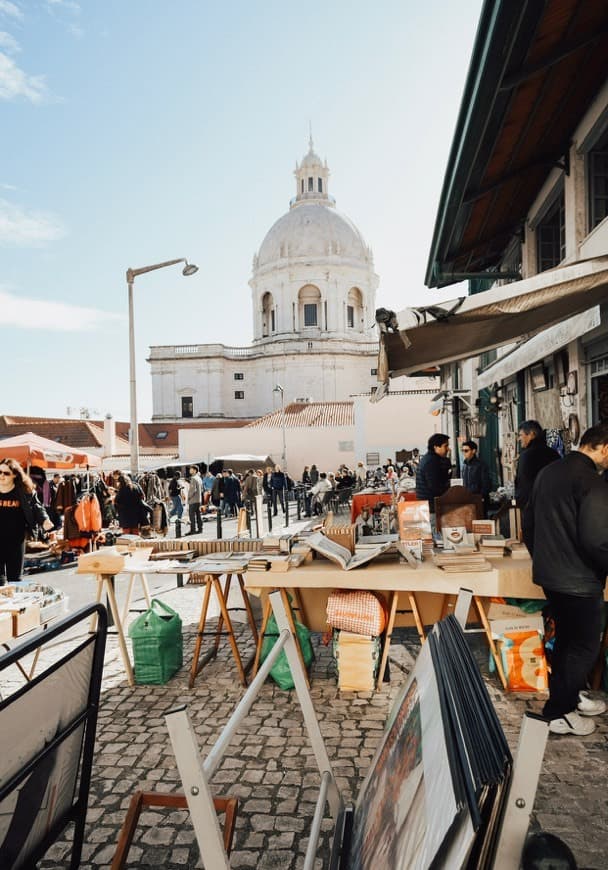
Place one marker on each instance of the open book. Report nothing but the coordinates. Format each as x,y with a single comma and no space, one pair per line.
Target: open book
340,555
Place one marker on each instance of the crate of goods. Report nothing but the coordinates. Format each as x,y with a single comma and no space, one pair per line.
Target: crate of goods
157,644
6,626
53,602
520,644
358,659
24,607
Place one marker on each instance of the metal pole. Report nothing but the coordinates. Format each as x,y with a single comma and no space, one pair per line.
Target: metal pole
134,434
218,517
283,428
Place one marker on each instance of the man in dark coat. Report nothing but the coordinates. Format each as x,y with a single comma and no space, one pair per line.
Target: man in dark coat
475,472
565,528
533,457
433,476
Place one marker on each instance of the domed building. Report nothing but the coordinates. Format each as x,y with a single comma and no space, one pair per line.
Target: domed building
313,290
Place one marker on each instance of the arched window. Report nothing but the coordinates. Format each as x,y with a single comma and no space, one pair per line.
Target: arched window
354,310
309,303
268,315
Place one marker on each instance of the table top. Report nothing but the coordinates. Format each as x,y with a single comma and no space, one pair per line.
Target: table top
507,578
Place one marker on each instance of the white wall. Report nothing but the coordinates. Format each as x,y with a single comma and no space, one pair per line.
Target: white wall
394,423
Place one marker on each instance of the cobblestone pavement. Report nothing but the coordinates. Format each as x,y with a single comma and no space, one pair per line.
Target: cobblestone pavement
270,766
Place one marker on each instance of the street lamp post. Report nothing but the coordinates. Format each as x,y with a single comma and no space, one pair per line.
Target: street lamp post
279,389
189,269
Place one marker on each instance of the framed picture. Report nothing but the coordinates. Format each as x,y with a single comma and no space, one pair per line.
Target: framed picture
560,366
538,377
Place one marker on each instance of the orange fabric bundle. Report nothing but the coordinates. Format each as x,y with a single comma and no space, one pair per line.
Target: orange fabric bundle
357,611
88,514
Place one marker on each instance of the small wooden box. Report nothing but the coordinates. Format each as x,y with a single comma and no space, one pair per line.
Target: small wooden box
104,561
26,619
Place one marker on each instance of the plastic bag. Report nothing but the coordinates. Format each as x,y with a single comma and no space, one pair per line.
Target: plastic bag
157,644
281,672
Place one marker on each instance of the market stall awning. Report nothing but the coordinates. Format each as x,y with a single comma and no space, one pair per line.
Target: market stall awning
420,337
31,449
545,343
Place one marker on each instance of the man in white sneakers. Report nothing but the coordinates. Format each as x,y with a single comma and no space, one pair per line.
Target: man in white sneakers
565,528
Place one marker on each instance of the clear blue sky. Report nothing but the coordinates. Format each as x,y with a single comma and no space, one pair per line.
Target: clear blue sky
137,131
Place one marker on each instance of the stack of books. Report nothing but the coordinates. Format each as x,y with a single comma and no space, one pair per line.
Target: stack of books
454,563
492,546
258,563
517,550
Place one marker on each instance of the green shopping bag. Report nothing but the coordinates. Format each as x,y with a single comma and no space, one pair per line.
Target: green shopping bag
281,672
157,644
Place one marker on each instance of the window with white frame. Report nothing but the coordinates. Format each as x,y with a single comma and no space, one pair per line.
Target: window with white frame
350,316
187,406
239,394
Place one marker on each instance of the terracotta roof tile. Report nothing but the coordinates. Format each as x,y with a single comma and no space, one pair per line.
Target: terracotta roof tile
306,414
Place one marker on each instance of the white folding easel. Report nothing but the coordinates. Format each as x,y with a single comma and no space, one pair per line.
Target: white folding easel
196,774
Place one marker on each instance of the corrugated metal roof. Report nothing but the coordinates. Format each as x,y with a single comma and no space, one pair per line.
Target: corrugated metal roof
303,415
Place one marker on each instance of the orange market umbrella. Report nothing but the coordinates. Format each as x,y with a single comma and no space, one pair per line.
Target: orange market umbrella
31,449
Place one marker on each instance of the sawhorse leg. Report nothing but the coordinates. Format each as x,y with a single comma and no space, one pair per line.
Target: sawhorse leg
415,611
199,635
146,591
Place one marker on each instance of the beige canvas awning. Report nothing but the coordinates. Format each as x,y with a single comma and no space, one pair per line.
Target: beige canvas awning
466,327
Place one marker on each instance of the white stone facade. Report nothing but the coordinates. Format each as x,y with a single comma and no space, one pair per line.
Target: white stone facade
313,290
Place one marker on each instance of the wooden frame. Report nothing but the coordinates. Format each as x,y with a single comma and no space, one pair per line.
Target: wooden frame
144,799
538,378
458,507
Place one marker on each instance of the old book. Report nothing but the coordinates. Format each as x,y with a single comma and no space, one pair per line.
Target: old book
341,556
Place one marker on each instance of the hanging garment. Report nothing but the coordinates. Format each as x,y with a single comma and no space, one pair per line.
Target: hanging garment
88,514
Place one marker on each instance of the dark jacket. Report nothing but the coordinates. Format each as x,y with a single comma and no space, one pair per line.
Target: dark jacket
35,515
476,476
565,527
232,490
532,459
278,480
129,504
432,478
314,475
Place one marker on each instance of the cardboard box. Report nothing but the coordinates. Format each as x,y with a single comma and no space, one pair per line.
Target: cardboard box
521,622
26,619
358,658
6,626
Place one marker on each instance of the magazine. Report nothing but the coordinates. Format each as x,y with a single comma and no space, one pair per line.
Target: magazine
340,555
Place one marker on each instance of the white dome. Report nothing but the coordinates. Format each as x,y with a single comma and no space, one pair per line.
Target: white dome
312,230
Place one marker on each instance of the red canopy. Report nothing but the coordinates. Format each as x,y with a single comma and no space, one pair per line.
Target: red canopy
31,449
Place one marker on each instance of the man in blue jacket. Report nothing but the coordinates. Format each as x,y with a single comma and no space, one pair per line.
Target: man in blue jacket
565,528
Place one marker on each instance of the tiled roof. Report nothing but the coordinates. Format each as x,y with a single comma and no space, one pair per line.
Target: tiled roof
89,433
75,433
306,414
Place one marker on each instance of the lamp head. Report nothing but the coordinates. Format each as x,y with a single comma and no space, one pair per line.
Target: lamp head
278,389
189,269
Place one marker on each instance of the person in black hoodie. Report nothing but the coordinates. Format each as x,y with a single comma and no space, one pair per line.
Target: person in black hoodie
433,475
534,456
565,527
20,514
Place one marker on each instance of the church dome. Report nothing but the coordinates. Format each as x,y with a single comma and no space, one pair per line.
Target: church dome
312,229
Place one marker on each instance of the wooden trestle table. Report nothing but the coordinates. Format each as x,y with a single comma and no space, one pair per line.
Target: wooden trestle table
429,591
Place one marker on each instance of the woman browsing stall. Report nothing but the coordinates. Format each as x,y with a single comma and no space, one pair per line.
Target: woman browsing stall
21,514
